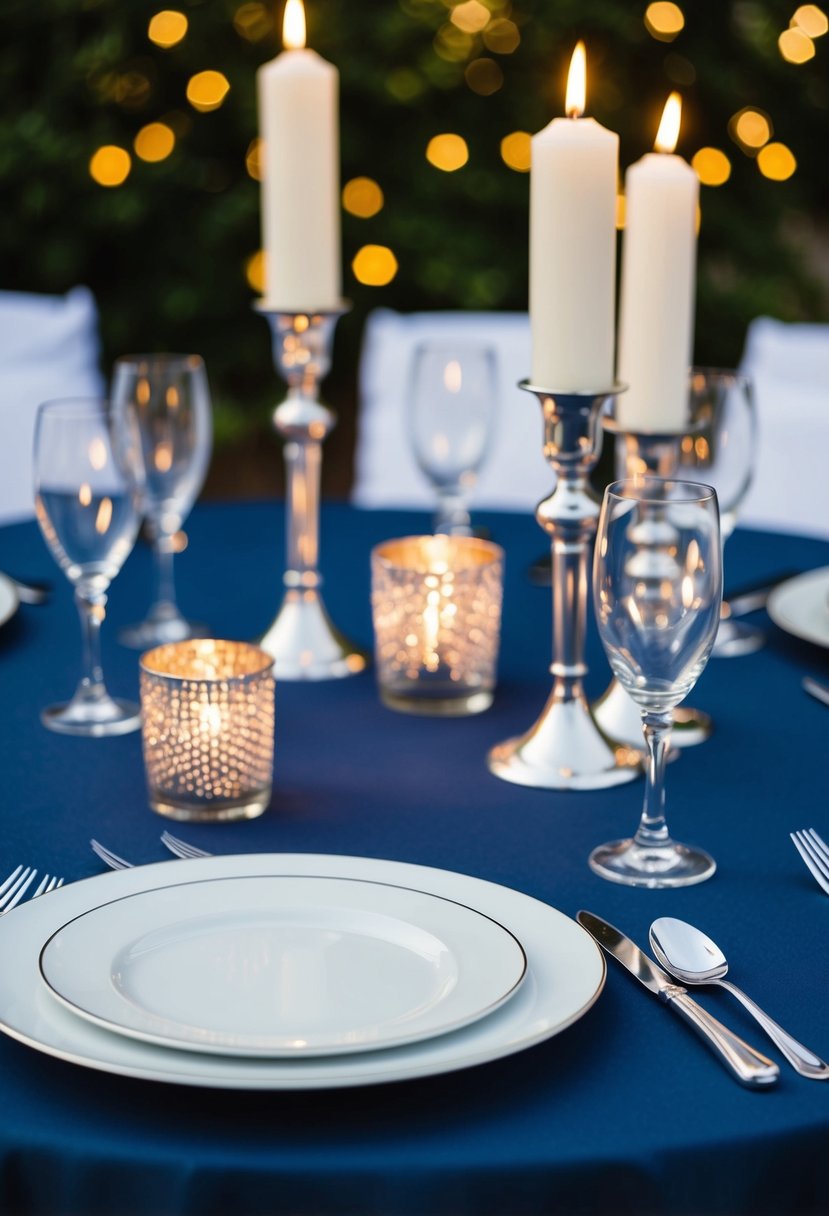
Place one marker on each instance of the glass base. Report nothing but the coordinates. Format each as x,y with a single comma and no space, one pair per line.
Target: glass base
439,707
94,718
249,806
156,631
735,638
666,865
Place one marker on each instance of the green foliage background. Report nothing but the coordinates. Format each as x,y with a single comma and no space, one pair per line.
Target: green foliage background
165,252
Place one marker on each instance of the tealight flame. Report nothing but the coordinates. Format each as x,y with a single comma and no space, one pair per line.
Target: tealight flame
668,133
576,83
293,26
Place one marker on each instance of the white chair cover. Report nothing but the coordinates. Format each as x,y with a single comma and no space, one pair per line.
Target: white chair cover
789,366
515,475
48,348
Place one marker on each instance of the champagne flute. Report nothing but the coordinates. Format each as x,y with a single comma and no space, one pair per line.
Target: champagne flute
88,515
451,417
657,586
161,409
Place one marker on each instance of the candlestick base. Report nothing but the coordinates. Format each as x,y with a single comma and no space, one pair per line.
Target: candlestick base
303,640
305,643
565,749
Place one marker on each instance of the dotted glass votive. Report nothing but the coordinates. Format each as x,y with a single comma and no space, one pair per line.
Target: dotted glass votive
208,724
436,604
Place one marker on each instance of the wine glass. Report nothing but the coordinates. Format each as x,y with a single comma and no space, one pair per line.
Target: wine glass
88,515
451,417
722,452
161,409
657,586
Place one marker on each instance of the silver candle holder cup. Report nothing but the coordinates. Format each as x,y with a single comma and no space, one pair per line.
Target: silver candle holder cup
302,639
436,606
207,710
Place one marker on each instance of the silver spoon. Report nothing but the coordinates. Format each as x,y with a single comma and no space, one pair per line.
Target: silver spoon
694,959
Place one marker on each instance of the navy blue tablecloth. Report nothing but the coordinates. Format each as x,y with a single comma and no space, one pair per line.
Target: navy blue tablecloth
623,1112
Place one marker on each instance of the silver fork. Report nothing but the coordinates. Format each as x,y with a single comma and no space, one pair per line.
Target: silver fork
181,848
18,883
15,887
815,853
108,857
115,862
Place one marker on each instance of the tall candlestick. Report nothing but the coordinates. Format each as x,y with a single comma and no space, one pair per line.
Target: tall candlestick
298,117
573,246
656,324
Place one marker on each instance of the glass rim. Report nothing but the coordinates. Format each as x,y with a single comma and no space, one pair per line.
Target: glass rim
82,406
449,347
151,661
694,491
160,359
489,552
732,374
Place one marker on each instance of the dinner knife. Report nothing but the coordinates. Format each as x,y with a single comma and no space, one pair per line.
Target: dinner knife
747,1065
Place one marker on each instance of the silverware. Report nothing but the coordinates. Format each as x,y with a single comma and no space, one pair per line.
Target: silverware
115,862
753,596
181,848
693,958
15,887
108,857
18,883
816,689
815,853
748,1066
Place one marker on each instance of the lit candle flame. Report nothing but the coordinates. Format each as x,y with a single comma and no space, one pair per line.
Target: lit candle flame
576,83
668,133
293,26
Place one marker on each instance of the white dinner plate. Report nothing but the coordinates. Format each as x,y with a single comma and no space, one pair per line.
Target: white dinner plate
800,606
282,965
565,974
9,602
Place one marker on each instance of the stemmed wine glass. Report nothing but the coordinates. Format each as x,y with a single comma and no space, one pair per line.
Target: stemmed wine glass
161,408
89,517
722,452
657,586
451,419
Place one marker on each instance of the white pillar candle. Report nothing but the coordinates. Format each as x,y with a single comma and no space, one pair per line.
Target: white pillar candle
656,324
298,118
573,246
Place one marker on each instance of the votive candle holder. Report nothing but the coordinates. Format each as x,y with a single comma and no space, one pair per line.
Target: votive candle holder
436,606
208,729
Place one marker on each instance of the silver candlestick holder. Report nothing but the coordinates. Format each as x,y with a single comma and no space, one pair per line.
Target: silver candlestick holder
566,749
647,454
302,639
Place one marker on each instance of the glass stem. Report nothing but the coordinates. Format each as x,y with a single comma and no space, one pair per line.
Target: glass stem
653,830
452,516
165,586
91,607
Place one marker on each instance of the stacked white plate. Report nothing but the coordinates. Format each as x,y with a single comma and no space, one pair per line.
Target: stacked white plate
800,606
290,971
